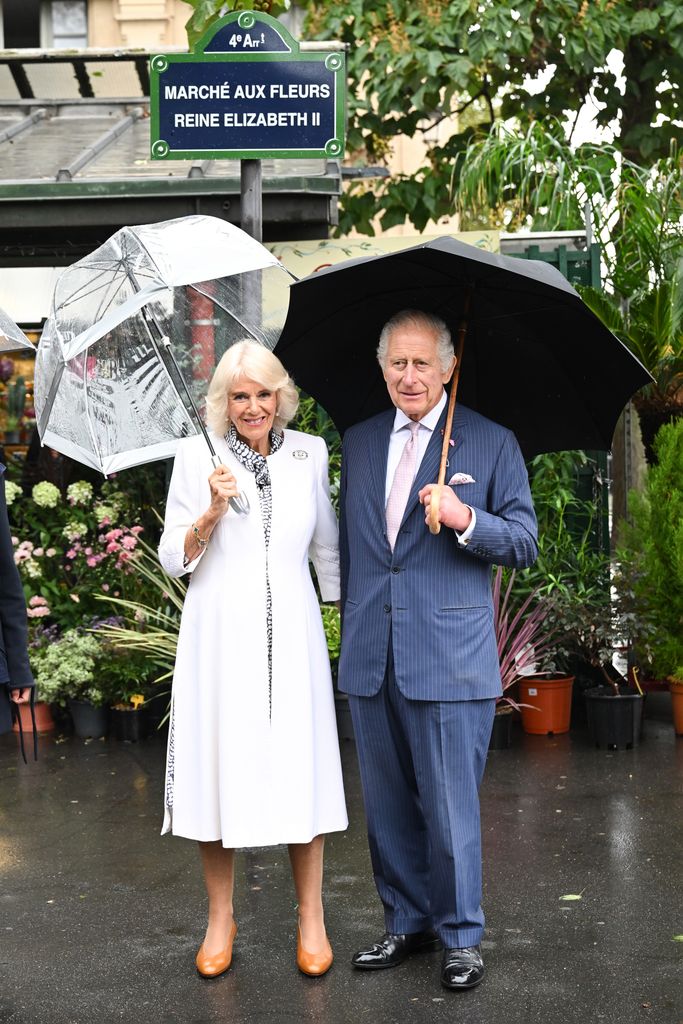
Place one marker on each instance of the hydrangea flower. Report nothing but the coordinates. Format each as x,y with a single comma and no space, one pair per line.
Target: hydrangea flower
12,491
79,493
46,495
104,514
73,530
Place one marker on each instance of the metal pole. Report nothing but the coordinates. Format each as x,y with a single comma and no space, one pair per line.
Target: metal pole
251,198
251,209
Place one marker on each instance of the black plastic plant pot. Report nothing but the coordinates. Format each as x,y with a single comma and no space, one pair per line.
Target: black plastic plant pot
90,722
614,723
129,726
501,734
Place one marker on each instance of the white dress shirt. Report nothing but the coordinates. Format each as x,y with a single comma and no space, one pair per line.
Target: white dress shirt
397,442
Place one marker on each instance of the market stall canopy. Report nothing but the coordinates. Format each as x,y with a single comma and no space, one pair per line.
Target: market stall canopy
74,150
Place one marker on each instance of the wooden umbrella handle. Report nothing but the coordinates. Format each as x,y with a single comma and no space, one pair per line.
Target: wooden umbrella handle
435,498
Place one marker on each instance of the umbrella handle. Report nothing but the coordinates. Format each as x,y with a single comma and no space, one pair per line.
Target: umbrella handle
435,499
240,502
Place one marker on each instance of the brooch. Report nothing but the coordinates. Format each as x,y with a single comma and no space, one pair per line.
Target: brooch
299,454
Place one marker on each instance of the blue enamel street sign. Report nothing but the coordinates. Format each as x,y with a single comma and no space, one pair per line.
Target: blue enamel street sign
247,92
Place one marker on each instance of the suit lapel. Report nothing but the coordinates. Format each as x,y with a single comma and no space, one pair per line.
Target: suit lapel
378,452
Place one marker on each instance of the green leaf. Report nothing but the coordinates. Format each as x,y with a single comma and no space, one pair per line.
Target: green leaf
571,896
644,21
677,938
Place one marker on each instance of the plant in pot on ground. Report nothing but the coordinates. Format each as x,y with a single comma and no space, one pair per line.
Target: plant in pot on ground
522,639
649,580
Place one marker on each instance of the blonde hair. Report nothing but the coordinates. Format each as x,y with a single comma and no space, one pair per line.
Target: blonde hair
255,362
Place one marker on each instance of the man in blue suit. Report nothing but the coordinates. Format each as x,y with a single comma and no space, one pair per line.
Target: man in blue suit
419,659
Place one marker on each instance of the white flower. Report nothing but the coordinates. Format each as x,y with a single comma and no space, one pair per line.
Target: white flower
12,491
46,495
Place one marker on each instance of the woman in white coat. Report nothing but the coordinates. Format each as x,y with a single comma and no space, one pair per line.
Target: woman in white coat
253,754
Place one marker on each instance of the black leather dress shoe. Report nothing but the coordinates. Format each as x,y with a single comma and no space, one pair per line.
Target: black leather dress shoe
462,968
392,950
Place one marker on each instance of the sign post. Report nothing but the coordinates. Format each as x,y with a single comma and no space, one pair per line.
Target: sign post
247,91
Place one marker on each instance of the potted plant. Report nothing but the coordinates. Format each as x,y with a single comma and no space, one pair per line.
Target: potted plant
649,580
522,639
571,575
127,674
65,671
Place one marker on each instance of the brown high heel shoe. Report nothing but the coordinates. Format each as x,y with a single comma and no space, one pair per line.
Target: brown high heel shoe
313,964
213,966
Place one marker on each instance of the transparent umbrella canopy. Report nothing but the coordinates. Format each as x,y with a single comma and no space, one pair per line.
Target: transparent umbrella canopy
12,338
136,330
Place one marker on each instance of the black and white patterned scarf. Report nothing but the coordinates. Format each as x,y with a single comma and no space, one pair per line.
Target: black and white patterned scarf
258,465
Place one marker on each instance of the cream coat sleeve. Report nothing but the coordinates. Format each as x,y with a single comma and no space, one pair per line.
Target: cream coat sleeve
188,496
324,547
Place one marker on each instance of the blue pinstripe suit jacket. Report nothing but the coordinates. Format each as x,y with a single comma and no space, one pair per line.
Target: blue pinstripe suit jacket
433,594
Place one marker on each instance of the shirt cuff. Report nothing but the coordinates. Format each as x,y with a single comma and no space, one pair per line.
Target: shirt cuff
464,537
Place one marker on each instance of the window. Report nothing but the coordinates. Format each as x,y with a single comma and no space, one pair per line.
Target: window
32,24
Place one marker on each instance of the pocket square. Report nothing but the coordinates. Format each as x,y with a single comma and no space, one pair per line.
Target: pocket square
462,478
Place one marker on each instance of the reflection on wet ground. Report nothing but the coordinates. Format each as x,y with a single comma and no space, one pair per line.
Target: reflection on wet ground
100,918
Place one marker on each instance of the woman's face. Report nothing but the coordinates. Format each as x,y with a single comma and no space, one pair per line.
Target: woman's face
252,408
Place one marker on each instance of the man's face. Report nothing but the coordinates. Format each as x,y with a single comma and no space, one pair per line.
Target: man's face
413,372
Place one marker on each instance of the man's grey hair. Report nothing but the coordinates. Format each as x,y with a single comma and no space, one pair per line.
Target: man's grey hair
426,321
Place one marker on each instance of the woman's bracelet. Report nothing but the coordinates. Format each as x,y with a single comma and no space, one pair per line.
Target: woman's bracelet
201,541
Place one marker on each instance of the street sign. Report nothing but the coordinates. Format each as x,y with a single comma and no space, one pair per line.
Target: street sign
248,92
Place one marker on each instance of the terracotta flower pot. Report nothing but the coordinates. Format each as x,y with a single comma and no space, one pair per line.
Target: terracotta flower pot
44,720
551,704
676,689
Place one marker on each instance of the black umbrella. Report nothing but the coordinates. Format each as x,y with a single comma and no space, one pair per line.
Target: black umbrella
535,358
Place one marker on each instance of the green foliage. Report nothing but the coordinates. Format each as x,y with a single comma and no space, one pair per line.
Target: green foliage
16,402
67,668
149,632
71,548
206,12
650,556
311,418
572,572
332,627
455,56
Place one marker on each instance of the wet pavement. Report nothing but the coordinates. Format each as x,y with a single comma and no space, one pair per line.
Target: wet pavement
100,918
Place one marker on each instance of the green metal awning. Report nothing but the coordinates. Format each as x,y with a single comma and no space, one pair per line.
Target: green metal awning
75,163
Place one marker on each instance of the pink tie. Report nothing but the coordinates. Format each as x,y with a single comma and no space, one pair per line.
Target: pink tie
401,485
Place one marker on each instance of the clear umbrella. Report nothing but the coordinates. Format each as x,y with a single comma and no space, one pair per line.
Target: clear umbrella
136,330
12,338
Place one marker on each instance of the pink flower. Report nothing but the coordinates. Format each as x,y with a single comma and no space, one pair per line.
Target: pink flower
38,552
105,522
112,546
113,534
92,562
88,551
136,529
51,552
129,542
37,613
15,541
105,587
71,553
36,600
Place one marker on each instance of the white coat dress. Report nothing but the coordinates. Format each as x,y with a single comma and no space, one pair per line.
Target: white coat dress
245,767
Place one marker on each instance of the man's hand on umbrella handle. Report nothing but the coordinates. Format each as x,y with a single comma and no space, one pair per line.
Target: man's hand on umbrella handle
450,510
223,487
21,696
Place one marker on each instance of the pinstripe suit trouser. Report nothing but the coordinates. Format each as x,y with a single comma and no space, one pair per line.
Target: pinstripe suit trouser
421,765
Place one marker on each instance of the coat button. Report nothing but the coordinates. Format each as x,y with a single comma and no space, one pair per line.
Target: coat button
387,607
395,568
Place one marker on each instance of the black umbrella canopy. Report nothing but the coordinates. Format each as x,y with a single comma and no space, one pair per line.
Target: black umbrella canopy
536,359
